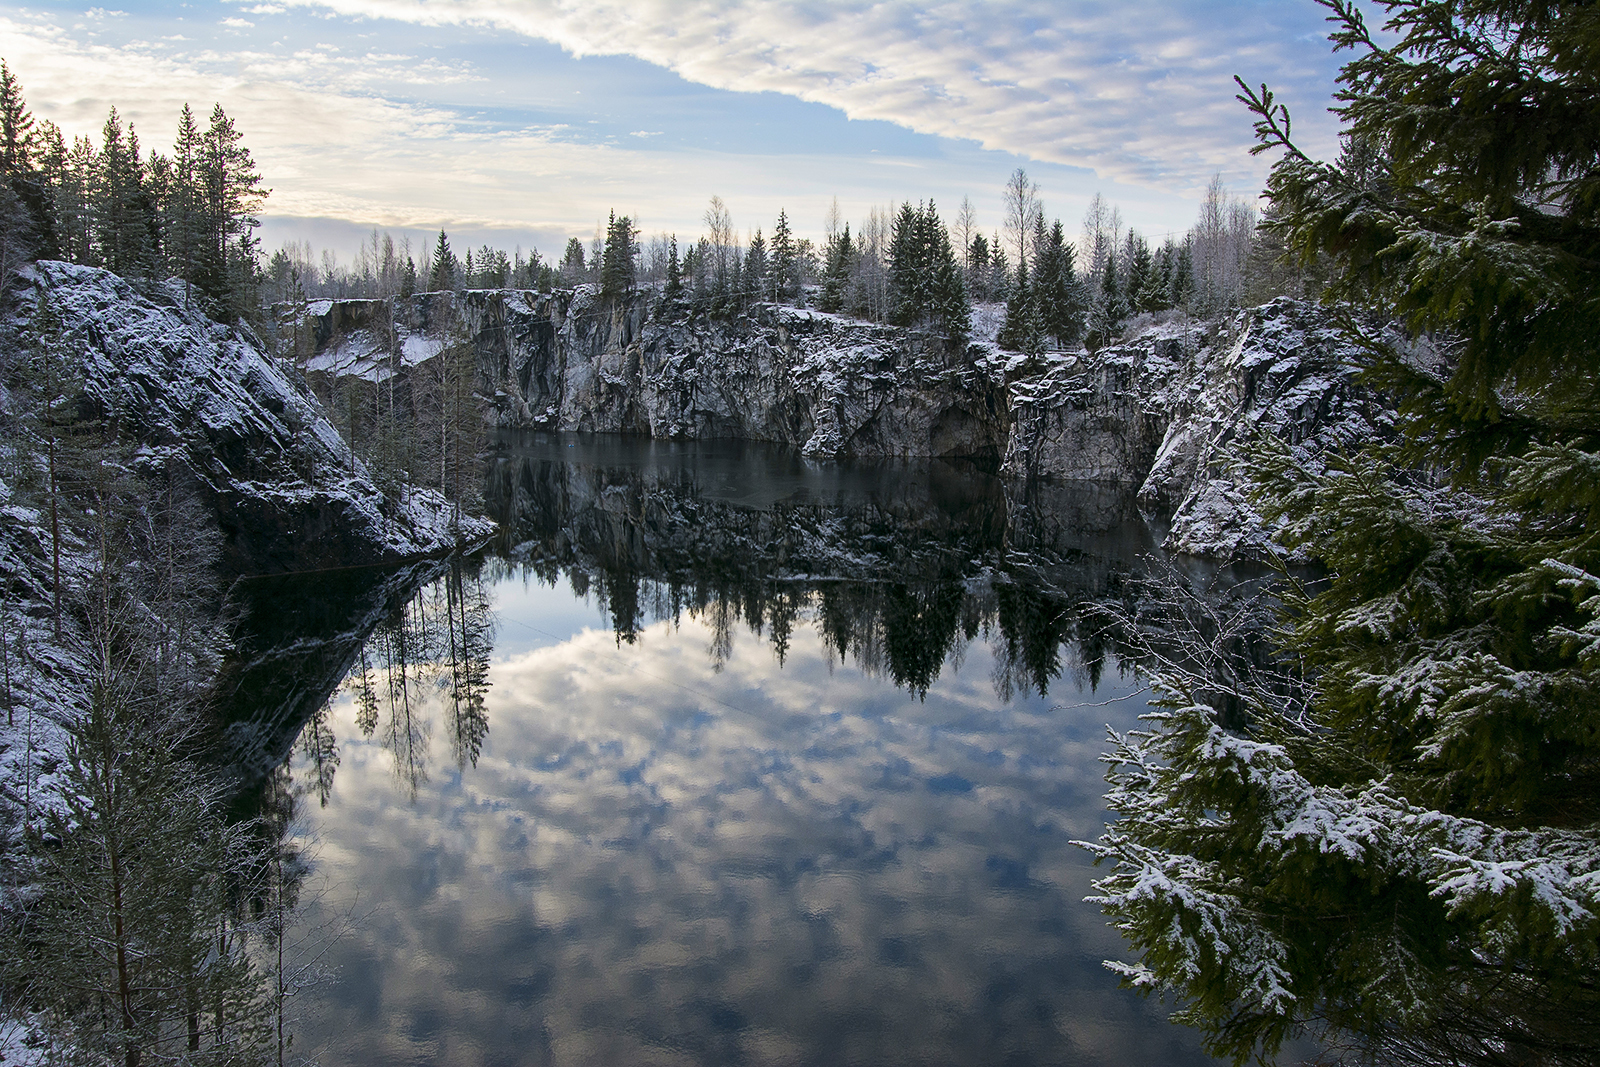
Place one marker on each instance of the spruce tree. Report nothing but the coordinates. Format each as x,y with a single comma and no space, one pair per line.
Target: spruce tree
1140,265
756,271
122,226
617,266
1397,842
836,271
1056,287
16,126
444,268
230,194
672,291
1022,330
1110,307
908,267
1181,292
574,270
947,299
784,278
999,271
183,218
978,268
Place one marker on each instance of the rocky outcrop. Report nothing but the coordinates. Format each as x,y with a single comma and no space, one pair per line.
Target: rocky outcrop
1158,414
1168,411
822,384
286,490
1284,371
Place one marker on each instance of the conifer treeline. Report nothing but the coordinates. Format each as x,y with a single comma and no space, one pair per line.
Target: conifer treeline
189,215
904,266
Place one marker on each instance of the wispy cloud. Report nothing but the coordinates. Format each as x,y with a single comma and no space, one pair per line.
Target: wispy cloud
1138,91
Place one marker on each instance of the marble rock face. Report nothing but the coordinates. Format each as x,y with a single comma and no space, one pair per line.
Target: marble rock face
282,484
1164,413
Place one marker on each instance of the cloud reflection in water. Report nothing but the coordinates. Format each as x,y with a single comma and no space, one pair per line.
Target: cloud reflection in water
656,861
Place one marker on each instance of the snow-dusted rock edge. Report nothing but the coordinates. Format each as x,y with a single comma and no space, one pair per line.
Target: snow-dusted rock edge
287,492
1155,415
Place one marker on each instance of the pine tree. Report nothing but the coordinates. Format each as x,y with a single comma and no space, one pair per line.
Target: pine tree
72,186
231,195
1401,848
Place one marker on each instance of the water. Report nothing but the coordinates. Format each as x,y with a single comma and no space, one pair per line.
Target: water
722,757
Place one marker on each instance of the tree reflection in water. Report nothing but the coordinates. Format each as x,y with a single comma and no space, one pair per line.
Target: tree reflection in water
896,573
612,828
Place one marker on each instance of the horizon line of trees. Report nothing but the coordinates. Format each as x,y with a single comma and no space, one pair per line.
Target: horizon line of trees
903,265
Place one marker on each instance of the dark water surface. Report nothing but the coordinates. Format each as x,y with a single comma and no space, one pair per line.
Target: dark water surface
724,757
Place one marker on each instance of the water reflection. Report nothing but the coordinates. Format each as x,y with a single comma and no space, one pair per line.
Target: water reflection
899,567
719,757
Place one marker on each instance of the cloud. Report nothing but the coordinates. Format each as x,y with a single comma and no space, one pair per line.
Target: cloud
1140,91
238,24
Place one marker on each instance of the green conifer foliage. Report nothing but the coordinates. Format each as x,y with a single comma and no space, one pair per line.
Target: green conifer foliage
1407,852
925,283
121,224
443,268
617,262
672,291
1056,286
1022,330
231,195
17,134
784,277
756,287
836,270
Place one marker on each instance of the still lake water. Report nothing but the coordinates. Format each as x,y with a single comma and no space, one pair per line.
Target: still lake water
726,757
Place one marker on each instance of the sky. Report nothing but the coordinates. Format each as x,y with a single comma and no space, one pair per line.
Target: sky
521,123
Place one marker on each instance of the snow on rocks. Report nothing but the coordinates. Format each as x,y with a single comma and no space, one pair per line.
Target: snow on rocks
287,492
1168,410
1161,414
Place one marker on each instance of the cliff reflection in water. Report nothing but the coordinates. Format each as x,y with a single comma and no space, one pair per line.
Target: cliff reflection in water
898,566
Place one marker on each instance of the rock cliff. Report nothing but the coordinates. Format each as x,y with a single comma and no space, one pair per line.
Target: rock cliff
286,490
1158,413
